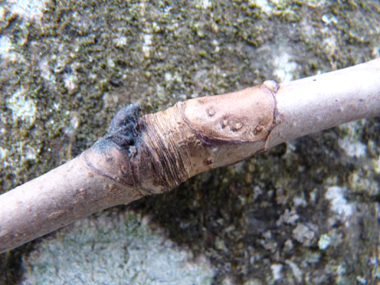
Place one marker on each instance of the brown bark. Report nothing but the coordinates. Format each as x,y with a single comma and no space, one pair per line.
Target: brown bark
156,153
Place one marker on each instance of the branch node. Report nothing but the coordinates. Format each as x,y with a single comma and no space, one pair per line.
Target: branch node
272,85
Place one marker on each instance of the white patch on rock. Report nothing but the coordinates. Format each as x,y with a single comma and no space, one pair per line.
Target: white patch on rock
5,46
361,280
70,82
203,4
113,249
289,217
300,201
263,4
276,271
6,49
375,52
147,45
28,9
351,148
351,143
338,203
3,156
110,63
29,153
328,19
284,67
315,3
120,41
304,233
3,153
22,107
324,241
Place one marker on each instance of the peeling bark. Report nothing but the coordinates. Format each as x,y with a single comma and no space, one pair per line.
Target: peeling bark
156,153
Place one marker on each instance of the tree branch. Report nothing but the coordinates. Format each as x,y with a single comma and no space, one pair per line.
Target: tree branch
157,152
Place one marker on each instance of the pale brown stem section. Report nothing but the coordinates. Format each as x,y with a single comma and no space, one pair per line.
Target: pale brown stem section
202,134
323,101
189,138
55,199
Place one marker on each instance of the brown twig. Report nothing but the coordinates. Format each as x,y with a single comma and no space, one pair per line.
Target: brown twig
156,153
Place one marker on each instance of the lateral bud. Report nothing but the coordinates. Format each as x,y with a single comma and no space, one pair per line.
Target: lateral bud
205,133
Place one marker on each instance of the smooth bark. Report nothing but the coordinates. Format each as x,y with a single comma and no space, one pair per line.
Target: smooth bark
157,152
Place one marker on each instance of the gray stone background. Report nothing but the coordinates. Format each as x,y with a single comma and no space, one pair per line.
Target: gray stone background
306,212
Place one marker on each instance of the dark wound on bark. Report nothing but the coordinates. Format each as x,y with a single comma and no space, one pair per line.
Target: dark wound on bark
124,127
158,152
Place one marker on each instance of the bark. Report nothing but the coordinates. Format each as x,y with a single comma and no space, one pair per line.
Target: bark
157,152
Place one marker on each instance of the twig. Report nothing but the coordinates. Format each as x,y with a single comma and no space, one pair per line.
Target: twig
157,152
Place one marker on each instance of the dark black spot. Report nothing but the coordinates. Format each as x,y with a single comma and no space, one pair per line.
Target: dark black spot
124,128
